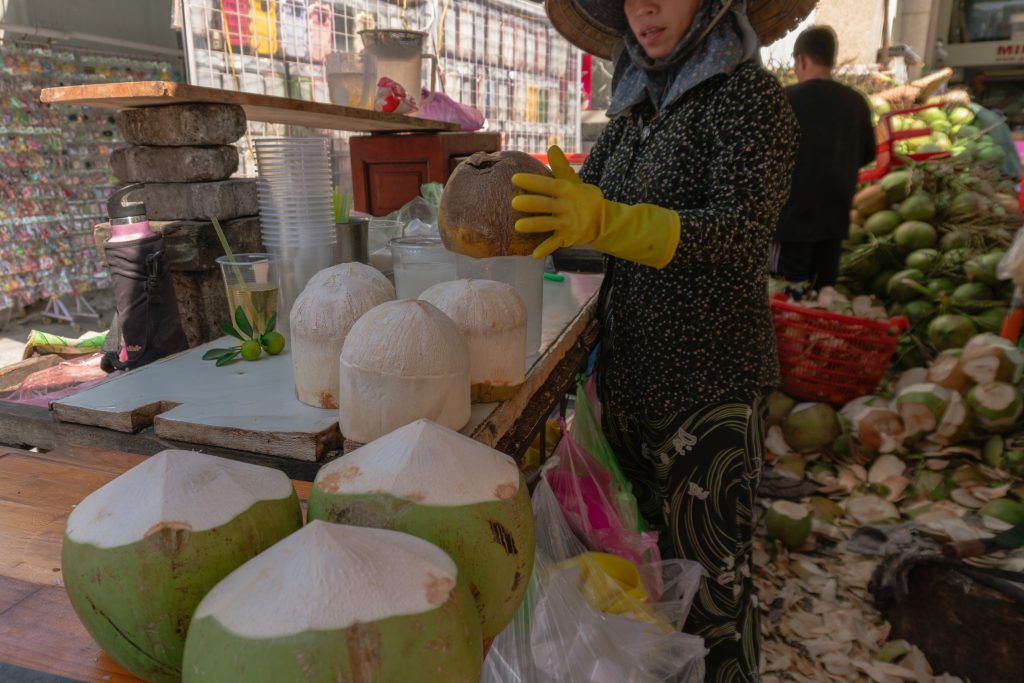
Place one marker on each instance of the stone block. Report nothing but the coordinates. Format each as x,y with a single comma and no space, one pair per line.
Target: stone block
135,164
179,125
223,200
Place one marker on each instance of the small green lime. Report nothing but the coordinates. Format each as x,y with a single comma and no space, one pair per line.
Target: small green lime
251,350
273,342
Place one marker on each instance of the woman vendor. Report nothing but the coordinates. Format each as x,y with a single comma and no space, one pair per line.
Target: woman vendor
683,192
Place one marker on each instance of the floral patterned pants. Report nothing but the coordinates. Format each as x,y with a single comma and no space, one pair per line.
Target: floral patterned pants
695,475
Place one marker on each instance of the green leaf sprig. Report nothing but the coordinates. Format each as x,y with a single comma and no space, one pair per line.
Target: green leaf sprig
254,342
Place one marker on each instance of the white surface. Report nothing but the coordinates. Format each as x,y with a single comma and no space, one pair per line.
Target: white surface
329,576
173,487
258,397
425,463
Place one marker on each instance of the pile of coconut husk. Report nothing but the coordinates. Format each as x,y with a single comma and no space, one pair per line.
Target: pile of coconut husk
818,624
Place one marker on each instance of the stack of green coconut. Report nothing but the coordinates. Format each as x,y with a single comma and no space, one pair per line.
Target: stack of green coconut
418,551
928,237
948,433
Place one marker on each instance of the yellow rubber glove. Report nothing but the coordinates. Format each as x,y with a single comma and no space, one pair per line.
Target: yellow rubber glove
578,213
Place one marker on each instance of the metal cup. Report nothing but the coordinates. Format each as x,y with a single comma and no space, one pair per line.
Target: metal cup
353,244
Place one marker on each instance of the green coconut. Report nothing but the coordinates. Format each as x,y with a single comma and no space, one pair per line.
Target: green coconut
779,405
919,312
939,285
950,331
432,482
923,259
955,424
338,603
954,259
984,268
882,223
874,424
967,131
811,427
897,185
140,552
988,357
880,283
899,291
992,154
955,239
971,291
991,319
915,235
966,203
917,207
961,116
992,451
1005,510
788,523
996,405
921,407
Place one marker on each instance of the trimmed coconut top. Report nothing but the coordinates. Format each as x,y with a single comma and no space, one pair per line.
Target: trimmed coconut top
409,338
425,463
330,576
478,305
336,297
187,489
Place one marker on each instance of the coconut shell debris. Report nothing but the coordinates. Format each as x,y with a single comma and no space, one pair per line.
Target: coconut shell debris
818,620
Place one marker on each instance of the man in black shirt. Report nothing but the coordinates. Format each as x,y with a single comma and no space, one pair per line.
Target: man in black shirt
836,140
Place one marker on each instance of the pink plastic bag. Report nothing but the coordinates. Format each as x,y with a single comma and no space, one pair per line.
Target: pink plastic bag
444,108
587,493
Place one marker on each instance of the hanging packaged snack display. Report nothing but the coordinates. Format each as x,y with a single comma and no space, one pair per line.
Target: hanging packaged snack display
54,171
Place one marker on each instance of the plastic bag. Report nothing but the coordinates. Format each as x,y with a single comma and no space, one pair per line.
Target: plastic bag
586,431
588,497
1011,266
557,636
44,342
444,108
51,384
422,208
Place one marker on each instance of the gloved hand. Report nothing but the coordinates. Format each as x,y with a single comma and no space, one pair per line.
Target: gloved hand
578,213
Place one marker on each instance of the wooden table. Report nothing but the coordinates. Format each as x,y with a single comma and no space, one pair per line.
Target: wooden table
568,333
39,631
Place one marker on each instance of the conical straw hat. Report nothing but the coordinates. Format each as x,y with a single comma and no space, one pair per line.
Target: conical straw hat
594,26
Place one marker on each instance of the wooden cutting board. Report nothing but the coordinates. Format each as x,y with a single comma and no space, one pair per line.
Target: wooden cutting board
267,108
245,406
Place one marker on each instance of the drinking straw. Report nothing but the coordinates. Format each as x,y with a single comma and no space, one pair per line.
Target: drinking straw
228,252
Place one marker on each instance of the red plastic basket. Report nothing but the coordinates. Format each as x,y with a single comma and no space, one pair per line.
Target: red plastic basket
830,357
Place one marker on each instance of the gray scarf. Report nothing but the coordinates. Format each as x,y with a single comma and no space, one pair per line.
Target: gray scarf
638,78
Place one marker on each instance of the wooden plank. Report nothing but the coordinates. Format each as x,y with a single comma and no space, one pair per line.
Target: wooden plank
13,591
25,426
267,108
42,633
245,406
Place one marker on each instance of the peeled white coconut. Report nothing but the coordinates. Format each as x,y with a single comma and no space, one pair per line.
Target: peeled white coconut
947,371
401,362
321,317
988,357
997,406
140,552
338,603
789,523
811,427
432,482
874,424
955,424
921,406
492,318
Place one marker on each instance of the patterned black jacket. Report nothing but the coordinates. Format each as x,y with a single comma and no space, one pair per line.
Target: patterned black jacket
699,331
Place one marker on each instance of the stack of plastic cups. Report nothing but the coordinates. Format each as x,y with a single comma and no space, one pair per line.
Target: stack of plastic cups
296,218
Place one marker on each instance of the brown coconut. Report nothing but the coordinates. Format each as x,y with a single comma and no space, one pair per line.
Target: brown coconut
476,216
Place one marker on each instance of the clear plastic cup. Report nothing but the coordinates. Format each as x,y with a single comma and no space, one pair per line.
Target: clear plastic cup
253,282
420,263
381,232
526,274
